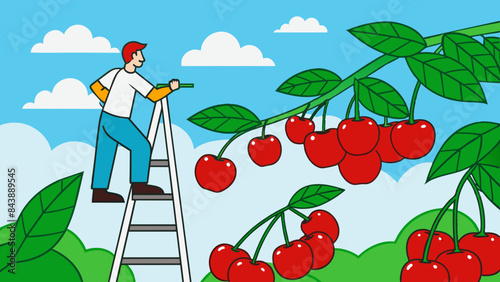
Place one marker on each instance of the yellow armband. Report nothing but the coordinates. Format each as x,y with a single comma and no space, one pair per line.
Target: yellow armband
100,91
157,94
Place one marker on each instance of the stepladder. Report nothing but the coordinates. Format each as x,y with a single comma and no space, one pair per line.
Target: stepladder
161,109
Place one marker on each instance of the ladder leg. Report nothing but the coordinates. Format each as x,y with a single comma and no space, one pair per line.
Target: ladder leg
122,239
174,182
155,122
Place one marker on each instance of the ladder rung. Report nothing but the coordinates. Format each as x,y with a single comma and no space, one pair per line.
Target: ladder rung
153,197
151,261
159,163
152,227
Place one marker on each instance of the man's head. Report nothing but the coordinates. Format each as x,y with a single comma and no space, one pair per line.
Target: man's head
132,53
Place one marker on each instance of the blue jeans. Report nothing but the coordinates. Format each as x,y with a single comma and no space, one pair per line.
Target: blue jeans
112,131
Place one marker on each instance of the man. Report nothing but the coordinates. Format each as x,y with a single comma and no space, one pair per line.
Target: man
116,89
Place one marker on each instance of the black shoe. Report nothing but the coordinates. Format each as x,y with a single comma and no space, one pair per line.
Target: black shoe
103,196
144,188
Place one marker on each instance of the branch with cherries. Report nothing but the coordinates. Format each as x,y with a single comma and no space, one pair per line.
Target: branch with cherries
295,258
453,69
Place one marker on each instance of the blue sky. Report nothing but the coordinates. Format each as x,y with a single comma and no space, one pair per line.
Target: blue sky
172,28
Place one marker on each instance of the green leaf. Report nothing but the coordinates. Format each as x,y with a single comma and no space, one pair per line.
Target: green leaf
493,45
446,77
390,38
46,217
488,179
465,148
314,195
309,83
380,98
473,55
225,118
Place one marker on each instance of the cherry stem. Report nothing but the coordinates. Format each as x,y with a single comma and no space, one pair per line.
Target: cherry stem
299,214
304,112
350,107
316,111
283,227
227,144
386,122
264,238
356,106
441,214
324,114
482,232
264,130
274,214
411,119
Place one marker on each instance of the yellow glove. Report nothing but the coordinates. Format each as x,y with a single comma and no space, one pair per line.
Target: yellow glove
100,91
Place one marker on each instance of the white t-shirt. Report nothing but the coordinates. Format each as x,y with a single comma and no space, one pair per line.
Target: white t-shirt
122,86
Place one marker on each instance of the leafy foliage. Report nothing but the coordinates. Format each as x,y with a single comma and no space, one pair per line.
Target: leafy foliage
226,118
446,77
46,217
465,148
390,38
473,55
380,98
314,195
311,82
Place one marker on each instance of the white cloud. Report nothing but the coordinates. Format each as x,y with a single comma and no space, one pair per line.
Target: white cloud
223,49
367,214
298,24
76,39
68,93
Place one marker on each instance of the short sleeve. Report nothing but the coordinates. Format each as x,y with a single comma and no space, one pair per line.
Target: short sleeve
107,79
141,85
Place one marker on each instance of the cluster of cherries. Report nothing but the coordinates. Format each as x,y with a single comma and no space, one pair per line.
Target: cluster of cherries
477,256
293,260
359,147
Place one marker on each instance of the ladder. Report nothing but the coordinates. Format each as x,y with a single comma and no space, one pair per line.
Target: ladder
161,107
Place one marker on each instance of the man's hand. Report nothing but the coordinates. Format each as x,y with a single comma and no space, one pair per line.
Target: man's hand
174,84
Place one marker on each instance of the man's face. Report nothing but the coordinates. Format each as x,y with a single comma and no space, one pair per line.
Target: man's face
138,59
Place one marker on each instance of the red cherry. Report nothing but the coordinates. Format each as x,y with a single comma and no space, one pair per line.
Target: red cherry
486,248
323,148
358,137
384,146
463,266
264,151
297,128
322,248
214,175
360,169
418,271
413,141
417,240
221,258
243,270
293,261
321,220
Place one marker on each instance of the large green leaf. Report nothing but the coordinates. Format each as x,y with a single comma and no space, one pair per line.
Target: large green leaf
314,195
473,55
46,217
465,148
311,82
493,45
225,118
446,77
380,98
390,38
